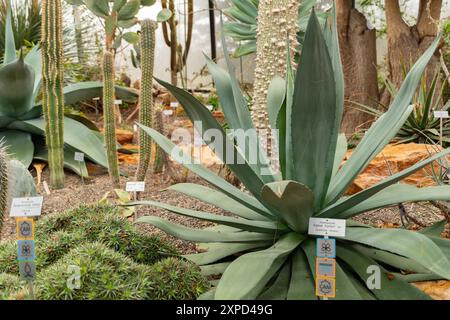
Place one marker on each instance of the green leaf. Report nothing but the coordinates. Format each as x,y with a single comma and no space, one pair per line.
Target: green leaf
33,59
278,290
247,48
240,15
276,96
110,25
313,115
218,199
147,3
294,202
409,244
247,276
98,7
10,44
383,130
84,91
170,148
435,230
214,269
129,10
247,7
118,4
19,144
126,24
197,235
131,37
341,151
244,224
302,286
164,15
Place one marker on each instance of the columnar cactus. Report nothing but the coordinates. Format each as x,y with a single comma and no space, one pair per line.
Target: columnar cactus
147,49
159,157
271,52
52,91
109,98
3,183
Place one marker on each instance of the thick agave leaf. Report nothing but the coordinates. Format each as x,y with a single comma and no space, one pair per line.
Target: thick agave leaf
276,96
382,132
302,286
346,203
292,200
19,144
435,230
218,251
279,288
33,59
244,224
83,91
247,276
196,235
313,124
392,288
10,44
409,244
214,269
75,134
169,147
395,194
16,88
341,151
217,199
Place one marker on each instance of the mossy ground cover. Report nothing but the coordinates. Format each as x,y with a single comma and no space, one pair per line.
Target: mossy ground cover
115,260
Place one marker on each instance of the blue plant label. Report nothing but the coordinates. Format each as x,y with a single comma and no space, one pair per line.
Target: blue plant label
25,250
27,270
326,248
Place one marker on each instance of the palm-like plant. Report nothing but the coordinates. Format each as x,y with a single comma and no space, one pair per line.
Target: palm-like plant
264,250
21,123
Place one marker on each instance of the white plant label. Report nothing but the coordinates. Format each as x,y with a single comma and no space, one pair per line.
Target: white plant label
46,188
135,128
26,207
210,107
174,104
118,102
327,227
168,112
79,156
135,186
96,99
441,114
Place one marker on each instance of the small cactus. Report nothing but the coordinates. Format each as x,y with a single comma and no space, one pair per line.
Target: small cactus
109,98
52,93
159,157
147,51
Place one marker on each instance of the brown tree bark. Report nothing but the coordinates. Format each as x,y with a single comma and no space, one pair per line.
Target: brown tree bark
359,59
407,43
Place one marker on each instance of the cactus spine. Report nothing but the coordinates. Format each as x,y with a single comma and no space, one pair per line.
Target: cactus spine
271,52
4,181
109,98
147,47
159,158
52,93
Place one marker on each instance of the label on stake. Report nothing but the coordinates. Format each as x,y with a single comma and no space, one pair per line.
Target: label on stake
327,227
79,156
441,114
325,287
325,267
27,270
25,250
135,186
26,207
25,229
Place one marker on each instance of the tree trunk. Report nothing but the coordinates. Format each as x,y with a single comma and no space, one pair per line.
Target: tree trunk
406,44
359,59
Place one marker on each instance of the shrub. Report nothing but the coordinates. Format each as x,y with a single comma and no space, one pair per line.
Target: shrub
8,285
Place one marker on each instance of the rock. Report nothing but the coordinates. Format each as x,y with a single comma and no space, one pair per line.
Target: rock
393,159
124,136
438,290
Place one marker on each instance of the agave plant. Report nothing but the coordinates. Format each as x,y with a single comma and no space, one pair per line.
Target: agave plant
243,26
21,123
263,250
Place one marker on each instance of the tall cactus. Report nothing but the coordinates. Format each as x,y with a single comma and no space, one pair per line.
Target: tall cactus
147,49
3,184
52,84
271,52
109,97
159,158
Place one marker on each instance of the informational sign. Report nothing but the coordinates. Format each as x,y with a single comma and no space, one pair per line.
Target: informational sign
174,104
325,267
441,114
25,228
135,186
327,227
167,112
326,248
26,207
79,156
25,250
325,287
27,270
118,102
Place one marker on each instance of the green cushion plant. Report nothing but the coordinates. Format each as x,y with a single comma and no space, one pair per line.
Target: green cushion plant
21,122
264,251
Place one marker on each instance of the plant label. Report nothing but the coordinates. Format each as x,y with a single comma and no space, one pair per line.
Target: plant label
326,248
135,128
79,156
441,114
174,104
25,229
118,102
327,227
167,112
210,107
325,287
96,99
135,186
27,270
26,207
326,267
46,188
25,250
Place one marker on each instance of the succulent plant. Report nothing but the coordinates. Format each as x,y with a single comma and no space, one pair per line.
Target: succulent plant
109,98
147,49
264,249
22,125
52,93
159,157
